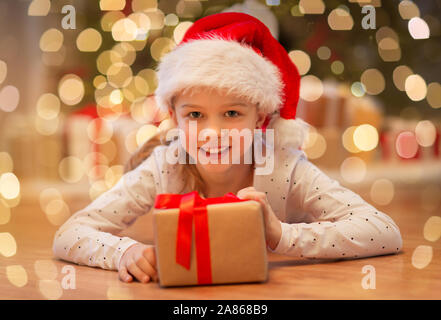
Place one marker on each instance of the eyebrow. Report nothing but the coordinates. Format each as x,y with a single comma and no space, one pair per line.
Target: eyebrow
240,104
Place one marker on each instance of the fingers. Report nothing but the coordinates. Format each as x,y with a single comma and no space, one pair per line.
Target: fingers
244,192
147,268
253,195
124,275
149,254
137,272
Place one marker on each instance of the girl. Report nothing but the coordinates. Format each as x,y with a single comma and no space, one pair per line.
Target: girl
228,72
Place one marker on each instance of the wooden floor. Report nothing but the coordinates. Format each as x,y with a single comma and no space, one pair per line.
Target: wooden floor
395,275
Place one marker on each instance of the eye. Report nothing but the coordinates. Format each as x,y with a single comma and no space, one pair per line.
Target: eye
232,113
193,113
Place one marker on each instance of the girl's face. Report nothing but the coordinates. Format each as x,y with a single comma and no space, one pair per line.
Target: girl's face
211,111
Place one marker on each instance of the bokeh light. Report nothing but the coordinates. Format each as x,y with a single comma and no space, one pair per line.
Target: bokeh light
418,28
144,5
373,81
425,133
119,75
71,89
71,169
57,212
337,67
302,61
388,44
353,169
188,9
180,30
171,20
311,88
46,127
8,246
406,145
97,188
434,95
422,256
366,137
112,175
432,229
124,30
5,212
311,7
6,163
45,269
143,24
9,98
145,133
382,191
315,146
126,53
340,19
48,106
89,40
400,75
3,71
160,47
106,5
358,89
17,275
119,293
415,87
99,130
50,289
39,8
348,140
47,195
51,40
408,9
109,19
324,53
9,186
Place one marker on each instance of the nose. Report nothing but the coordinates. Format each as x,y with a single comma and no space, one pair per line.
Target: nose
214,131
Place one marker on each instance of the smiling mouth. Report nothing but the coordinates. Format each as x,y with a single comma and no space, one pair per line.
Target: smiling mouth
216,151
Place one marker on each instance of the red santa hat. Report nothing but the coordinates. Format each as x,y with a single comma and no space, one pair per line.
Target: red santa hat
237,52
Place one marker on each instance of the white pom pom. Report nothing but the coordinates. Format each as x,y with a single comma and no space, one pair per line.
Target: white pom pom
288,132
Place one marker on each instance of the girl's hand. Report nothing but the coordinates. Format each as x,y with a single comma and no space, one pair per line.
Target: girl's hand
273,229
138,261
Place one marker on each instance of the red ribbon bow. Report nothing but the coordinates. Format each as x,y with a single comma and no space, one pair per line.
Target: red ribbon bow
192,206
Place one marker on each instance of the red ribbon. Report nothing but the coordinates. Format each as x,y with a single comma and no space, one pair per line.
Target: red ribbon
193,207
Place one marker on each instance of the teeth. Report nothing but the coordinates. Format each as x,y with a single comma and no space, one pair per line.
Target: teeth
216,150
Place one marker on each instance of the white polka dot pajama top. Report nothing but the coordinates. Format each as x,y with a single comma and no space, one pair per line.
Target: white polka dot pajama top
320,219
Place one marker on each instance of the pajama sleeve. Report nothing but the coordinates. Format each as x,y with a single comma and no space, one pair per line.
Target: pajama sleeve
334,221
88,236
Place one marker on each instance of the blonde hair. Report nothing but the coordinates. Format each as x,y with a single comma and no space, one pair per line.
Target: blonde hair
195,181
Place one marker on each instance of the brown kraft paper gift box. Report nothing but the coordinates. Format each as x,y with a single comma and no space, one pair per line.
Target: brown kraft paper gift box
237,246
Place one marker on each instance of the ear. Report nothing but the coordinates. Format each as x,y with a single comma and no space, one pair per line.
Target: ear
260,119
172,114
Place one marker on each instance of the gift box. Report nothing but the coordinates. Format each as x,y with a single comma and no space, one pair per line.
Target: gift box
208,241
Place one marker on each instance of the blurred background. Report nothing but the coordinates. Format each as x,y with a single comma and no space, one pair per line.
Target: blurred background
77,81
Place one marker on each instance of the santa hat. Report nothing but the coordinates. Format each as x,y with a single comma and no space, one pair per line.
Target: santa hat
237,52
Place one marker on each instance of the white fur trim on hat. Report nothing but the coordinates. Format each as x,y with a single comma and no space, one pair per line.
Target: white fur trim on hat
288,132
219,63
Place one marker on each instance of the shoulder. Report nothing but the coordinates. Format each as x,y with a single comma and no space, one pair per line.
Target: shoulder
280,167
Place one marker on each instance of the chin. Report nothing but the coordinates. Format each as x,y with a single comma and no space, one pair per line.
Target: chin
215,168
